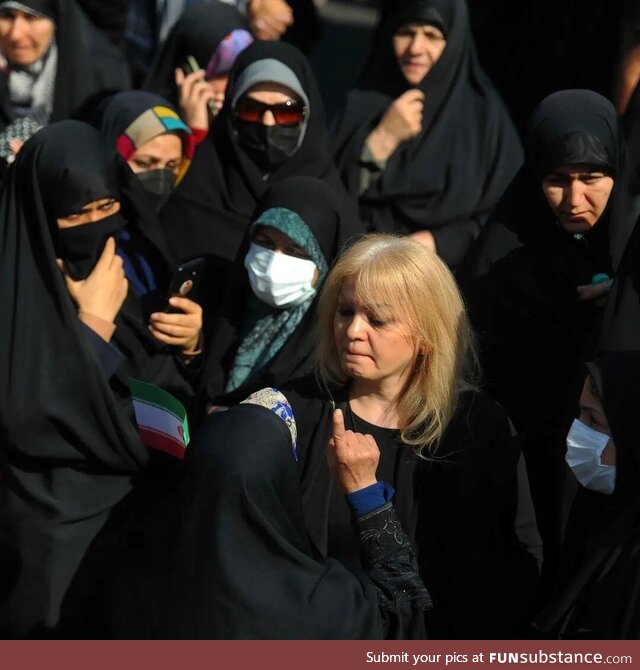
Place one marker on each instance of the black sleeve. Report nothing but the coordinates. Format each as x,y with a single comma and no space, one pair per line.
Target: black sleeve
109,357
391,565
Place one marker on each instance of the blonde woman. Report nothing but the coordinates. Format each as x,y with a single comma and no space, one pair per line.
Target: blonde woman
394,355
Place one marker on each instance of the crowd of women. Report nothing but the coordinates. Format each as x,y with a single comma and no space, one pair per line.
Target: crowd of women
408,347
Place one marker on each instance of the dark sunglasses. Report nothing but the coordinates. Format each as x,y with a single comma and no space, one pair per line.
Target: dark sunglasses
289,113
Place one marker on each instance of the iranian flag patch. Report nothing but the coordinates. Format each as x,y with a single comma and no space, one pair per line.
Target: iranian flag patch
161,418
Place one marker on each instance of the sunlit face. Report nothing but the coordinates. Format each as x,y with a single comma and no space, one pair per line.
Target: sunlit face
24,38
272,238
163,151
373,344
417,47
578,195
91,213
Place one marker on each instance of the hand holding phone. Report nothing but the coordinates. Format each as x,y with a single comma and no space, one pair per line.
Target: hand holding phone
196,95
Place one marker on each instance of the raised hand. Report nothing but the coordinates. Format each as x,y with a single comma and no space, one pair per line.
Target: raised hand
179,329
401,122
104,290
352,457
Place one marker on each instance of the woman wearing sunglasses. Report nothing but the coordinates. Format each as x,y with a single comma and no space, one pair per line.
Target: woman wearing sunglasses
271,127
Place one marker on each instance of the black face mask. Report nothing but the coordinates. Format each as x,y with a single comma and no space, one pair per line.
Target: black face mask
268,146
158,185
80,247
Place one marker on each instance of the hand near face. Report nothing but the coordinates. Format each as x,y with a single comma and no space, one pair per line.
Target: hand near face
181,329
352,457
104,291
400,123
426,239
194,93
269,19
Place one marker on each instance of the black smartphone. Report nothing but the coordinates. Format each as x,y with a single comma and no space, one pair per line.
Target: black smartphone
187,281
190,66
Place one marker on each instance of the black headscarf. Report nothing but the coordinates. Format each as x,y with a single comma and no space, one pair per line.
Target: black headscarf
197,33
211,209
89,66
521,285
317,204
567,127
600,584
448,179
224,554
68,450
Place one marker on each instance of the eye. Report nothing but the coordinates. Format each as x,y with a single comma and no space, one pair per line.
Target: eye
296,252
345,312
145,165
591,178
107,206
263,241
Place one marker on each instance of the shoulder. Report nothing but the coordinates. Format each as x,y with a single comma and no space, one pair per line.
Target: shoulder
478,428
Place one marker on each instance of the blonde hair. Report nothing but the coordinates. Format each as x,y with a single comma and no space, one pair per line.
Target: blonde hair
400,271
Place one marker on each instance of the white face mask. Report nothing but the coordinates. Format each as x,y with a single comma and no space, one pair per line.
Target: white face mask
278,279
584,450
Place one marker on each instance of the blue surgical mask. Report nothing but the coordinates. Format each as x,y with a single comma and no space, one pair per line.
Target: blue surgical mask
584,451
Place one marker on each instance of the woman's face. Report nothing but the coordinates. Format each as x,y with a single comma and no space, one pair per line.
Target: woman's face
418,47
163,151
24,38
273,239
91,213
373,344
578,195
270,104
592,414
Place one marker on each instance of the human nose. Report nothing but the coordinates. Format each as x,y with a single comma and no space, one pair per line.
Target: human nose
268,119
574,194
356,329
417,44
18,28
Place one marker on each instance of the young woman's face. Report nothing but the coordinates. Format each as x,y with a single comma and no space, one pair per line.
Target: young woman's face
372,344
163,151
277,241
24,38
91,213
418,47
578,195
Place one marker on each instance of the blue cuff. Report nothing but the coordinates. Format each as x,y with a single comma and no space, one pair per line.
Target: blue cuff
366,500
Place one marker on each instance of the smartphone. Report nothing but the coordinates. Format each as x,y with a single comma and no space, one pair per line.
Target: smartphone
190,66
187,281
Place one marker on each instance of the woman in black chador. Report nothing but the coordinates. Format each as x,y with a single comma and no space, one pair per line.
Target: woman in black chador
264,332
271,126
223,552
84,282
541,268
425,141
598,593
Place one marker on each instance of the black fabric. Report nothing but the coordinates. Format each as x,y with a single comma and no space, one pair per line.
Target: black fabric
197,33
318,206
462,509
211,208
532,48
521,279
448,179
110,18
68,451
225,554
599,588
89,66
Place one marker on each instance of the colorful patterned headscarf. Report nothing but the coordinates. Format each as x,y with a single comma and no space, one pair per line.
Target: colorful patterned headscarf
153,122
